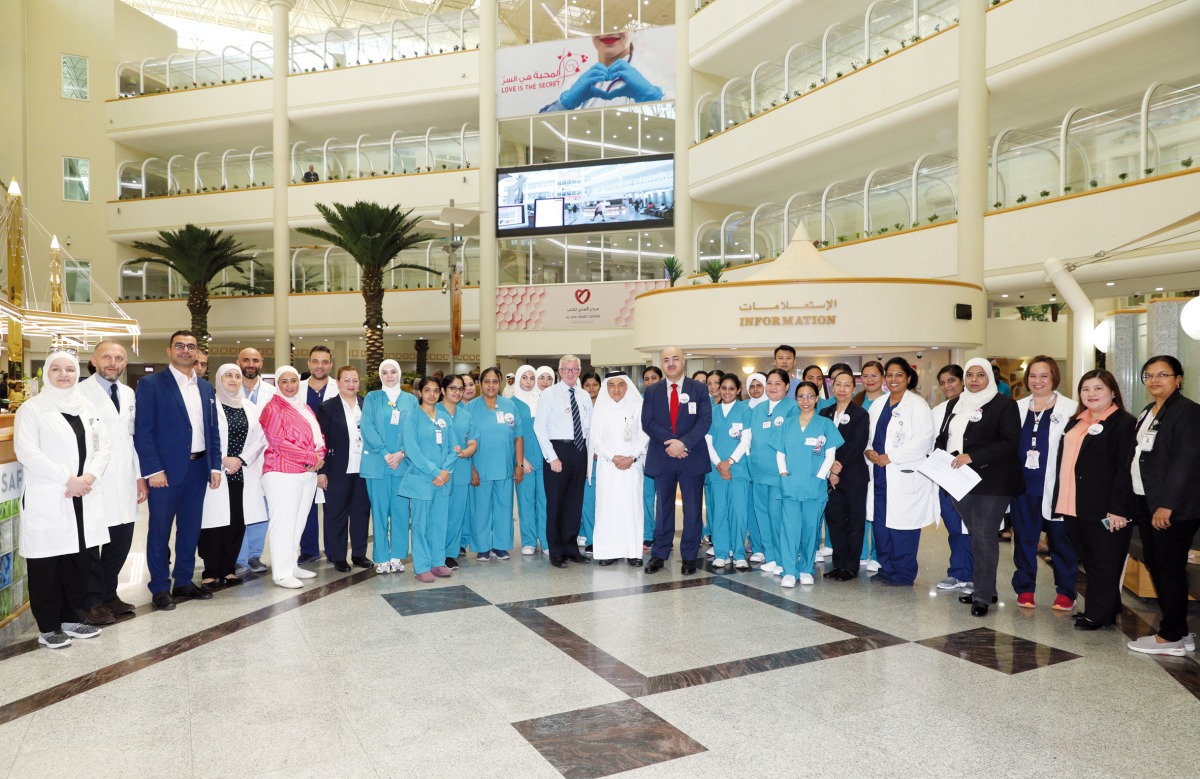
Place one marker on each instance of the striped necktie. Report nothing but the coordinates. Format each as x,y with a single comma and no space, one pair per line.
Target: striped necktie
576,425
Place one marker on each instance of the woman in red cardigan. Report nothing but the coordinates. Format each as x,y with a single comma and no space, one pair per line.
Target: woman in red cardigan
295,451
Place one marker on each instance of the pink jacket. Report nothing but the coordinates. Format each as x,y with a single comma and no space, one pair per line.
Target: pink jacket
290,444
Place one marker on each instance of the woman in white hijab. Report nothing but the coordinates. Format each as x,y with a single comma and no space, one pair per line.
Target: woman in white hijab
531,492
756,389
619,445
985,433
238,500
383,467
63,450
295,452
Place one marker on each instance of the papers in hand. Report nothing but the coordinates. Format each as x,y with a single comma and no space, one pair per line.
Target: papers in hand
956,481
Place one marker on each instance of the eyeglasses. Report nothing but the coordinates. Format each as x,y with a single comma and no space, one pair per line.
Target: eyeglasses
1161,375
184,347
454,388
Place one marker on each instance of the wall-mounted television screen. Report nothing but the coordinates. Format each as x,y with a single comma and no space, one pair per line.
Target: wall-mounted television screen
586,197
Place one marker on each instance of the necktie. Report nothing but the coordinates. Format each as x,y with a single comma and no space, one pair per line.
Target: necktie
674,405
576,425
112,390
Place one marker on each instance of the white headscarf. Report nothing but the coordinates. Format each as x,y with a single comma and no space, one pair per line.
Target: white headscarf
761,379
391,392
300,404
969,402
65,401
546,369
529,397
610,416
232,399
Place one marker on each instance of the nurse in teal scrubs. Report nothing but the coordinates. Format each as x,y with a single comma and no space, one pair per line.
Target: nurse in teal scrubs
531,492
462,436
591,382
807,442
728,442
764,468
496,466
431,458
383,467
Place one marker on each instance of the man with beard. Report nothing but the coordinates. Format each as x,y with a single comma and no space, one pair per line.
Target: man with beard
315,390
258,392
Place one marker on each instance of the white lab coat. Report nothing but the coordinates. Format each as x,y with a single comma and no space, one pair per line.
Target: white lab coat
254,507
123,471
1062,413
265,393
912,501
47,449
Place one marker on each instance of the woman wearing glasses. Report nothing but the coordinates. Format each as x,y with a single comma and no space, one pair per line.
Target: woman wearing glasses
1168,497
462,438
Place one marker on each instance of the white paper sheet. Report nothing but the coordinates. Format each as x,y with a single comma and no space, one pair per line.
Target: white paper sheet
956,481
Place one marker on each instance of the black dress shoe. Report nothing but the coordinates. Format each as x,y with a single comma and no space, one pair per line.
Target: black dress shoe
636,562
688,567
979,610
341,566
558,562
231,581
606,562
162,601
970,598
192,592
362,562
578,558
655,565
1074,617
1086,624
844,576
306,558
118,606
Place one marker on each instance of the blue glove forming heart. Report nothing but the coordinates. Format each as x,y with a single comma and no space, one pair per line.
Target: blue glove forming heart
634,86
585,87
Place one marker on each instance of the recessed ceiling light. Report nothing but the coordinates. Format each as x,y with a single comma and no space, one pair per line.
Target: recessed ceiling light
1004,295
1110,284
1158,289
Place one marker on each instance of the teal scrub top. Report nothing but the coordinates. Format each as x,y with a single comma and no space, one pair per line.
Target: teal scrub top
497,432
428,450
804,451
382,425
462,435
726,432
533,449
763,468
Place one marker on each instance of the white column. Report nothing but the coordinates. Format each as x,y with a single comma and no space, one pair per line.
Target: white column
685,132
489,16
972,146
281,156
1083,317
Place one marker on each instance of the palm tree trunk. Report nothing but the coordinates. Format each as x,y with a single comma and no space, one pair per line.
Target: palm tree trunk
372,292
198,305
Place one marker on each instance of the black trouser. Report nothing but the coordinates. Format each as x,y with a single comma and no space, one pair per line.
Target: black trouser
1165,555
219,546
105,564
564,498
56,588
1102,555
347,508
846,515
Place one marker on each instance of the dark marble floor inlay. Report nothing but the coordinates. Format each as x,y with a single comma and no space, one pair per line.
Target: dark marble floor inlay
606,740
999,651
413,602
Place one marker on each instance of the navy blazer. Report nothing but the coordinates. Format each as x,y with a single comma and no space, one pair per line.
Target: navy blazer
689,428
1169,469
162,430
854,475
331,416
1103,484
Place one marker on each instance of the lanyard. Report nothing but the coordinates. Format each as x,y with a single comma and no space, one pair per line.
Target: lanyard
1037,417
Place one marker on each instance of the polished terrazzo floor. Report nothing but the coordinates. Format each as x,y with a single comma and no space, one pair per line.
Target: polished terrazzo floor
521,670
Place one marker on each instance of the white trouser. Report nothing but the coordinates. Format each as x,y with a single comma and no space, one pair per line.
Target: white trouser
289,497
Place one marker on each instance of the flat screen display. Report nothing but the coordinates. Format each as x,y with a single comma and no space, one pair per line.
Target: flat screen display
586,197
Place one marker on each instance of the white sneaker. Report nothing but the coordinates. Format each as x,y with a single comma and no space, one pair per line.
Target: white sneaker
769,567
580,541
710,553
825,551
757,557
873,565
54,640
949,583
1150,645
383,567
80,630
291,583
742,565
806,578
397,566
778,570
527,551
1189,642
301,573
720,562
818,559
863,563
788,581
546,552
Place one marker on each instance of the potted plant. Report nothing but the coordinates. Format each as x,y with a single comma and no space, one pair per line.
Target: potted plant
673,268
714,269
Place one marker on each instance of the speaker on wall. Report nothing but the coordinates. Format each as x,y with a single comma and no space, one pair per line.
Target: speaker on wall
962,310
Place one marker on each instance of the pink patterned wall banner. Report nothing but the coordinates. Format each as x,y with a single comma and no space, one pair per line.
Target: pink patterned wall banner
569,306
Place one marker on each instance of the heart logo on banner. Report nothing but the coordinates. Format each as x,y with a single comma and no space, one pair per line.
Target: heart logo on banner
583,295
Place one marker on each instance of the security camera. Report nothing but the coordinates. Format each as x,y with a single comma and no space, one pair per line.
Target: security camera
1021,295
920,355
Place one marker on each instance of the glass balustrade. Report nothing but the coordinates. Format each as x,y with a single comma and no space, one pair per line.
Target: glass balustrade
585,258
619,131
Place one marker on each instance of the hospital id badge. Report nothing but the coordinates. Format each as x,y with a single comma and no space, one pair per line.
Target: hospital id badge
1148,440
437,437
499,417
395,416
95,440
767,425
811,442
356,446
692,407
1032,457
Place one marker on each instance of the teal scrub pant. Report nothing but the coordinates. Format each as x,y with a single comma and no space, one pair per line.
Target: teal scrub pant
648,499
587,522
389,516
492,516
798,535
709,502
767,516
458,519
727,516
868,551
531,509
429,530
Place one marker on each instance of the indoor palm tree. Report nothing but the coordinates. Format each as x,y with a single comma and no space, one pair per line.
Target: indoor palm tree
374,235
198,255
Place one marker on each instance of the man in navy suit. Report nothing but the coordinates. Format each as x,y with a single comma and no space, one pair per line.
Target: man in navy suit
179,449
346,504
676,415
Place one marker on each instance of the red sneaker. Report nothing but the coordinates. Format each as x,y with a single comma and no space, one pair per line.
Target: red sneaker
1063,603
1025,599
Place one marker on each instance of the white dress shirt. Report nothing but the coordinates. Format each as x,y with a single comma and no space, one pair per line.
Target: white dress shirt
554,423
354,427
195,409
1135,467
